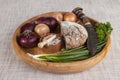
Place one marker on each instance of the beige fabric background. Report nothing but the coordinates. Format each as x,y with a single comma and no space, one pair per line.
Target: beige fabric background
14,12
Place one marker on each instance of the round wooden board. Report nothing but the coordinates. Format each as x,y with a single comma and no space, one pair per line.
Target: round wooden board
69,67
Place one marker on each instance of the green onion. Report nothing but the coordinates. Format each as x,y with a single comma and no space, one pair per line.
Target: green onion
80,53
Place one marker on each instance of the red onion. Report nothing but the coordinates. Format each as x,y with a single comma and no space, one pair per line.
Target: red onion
50,21
28,26
28,39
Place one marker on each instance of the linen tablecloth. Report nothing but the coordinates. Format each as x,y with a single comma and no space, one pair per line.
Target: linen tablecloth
14,12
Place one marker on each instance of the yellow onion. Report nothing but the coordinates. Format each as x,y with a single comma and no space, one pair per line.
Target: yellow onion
70,17
42,29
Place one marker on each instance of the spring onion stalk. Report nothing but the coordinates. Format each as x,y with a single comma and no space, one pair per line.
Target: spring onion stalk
103,30
68,55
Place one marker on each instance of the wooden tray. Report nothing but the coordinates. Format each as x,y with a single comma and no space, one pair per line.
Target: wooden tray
69,67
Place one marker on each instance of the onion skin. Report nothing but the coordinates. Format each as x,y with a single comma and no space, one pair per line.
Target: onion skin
58,16
50,21
70,17
28,39
42,29
28,26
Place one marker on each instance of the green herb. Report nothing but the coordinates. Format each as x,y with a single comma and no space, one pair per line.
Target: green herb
103,30
80,53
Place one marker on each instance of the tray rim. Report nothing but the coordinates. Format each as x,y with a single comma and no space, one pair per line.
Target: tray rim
26,58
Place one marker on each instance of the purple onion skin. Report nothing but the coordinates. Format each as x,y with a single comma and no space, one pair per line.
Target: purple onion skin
28,39
28,26
50,21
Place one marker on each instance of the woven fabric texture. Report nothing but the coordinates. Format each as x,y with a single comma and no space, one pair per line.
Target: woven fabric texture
14,12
